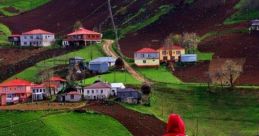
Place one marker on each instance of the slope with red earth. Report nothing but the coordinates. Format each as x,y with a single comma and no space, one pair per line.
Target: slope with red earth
137,123
237,45
202,16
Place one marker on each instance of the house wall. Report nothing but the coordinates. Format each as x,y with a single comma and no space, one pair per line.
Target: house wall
89,37
170,54
76,98
100,68
147,62
100,93
37,40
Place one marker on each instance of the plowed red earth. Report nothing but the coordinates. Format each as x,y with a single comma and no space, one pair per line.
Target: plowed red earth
237,46
137,123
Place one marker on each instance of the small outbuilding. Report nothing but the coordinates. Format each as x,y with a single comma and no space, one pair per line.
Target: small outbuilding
101,64
73,96
129,95
76,60
254,26
115,87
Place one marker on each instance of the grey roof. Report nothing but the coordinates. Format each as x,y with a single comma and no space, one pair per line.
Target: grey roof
103,60
98,85
255,22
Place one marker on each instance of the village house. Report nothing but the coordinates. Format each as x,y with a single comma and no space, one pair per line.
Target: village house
82,37
73,96
254,26
101,65
55,84
15,91
97,91
171,53
37,38
76,60
129,95
146,57
39,92
15,39
115,87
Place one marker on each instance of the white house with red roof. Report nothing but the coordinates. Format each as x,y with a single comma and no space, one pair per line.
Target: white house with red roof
146,57
82,37
14,91
97,91
73,96
39,92
37,38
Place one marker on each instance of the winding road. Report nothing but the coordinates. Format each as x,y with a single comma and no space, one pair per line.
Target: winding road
107,48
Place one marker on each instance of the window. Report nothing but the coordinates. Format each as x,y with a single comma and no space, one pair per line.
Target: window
44,90
144,61
92,91
25,43
164,52
72,96
88,92
178,52
31,37
40,90
101,91
33,90
25,37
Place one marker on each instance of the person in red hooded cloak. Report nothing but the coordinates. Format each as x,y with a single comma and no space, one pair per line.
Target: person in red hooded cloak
175,126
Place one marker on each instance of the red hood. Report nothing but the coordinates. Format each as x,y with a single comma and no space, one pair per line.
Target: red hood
175,126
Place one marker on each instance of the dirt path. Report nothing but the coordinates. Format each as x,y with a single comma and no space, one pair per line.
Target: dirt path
137,123
107,48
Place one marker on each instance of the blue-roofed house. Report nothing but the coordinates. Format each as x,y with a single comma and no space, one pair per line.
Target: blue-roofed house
101,64
129,95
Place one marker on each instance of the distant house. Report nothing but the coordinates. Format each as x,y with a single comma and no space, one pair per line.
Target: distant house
115,87
55,84
171,53
73,96
82,37
146,57
102,64
39,92
97,91
254,26
76,60
14,91
129,95
37,38
15,39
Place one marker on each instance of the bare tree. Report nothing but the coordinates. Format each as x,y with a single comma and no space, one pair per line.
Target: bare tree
77,25
190,42
232,70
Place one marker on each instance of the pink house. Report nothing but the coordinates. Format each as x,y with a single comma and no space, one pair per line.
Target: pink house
15,91
55,83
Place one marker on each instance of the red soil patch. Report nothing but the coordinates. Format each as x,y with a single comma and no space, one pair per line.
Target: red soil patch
138,124
239,45
200,17
194,73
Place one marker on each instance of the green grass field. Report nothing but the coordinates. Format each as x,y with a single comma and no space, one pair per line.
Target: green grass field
31,73
20,5
161,74
207,114
114,77
242,16
4,33
59,124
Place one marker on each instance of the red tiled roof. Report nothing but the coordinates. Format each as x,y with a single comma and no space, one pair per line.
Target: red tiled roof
38,86
74,93
16,82
14,35
146,50
98,85
83,31
37,31
57,78
173,47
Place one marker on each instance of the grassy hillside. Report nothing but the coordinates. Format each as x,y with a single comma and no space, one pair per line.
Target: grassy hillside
31,73
246,11
217,114
19,6
4,33
59,124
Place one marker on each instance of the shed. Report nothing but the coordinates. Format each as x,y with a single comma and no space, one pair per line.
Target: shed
75,60
115,87
73,96
254,25
109,60
129,95
98,67
189,58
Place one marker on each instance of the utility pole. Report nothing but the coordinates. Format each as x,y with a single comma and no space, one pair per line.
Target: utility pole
114,26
